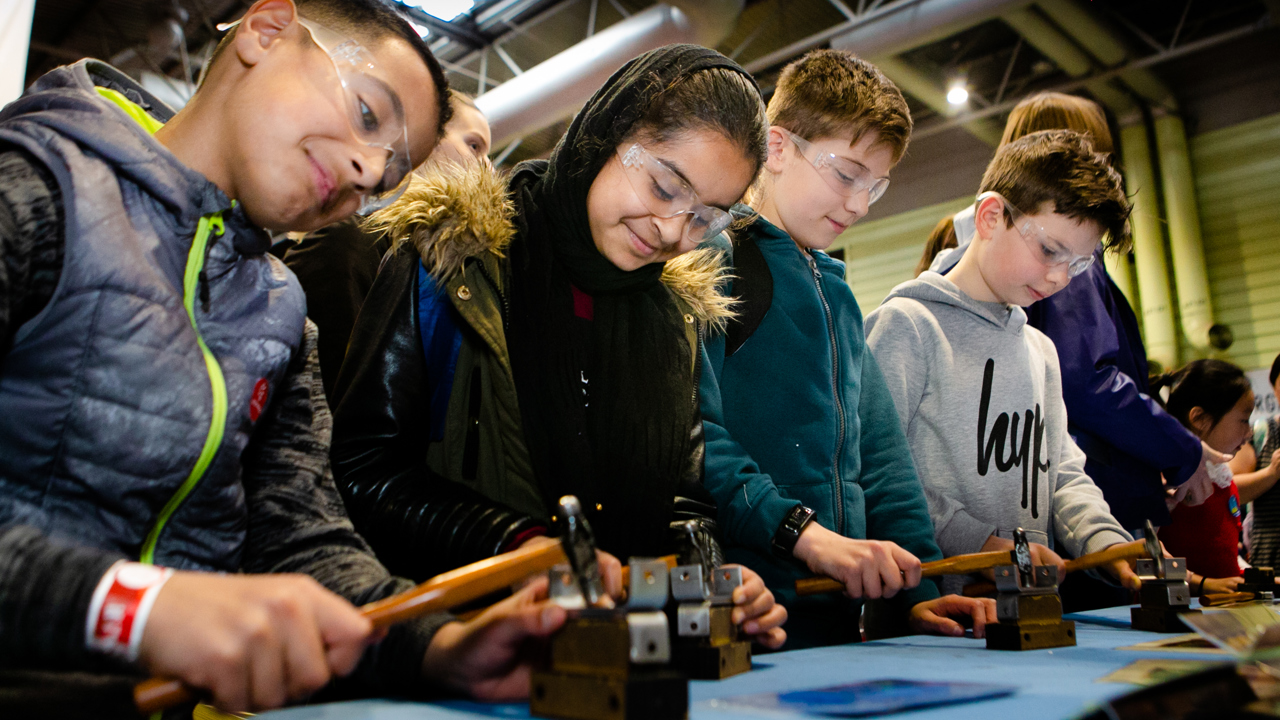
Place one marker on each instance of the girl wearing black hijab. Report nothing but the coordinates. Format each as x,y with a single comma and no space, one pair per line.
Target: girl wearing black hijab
535,336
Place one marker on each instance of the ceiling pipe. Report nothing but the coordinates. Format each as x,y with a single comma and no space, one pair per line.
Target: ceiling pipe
921,24
1148,61
925,89
1095,37
556,88
1067,55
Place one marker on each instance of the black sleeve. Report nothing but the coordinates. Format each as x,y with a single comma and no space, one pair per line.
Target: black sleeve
418,522
45,590
297,522
693,502
336,267
31,240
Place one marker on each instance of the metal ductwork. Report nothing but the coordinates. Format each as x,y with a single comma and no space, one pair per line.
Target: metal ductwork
923,88
925,22
1110,51
558,87
1066,54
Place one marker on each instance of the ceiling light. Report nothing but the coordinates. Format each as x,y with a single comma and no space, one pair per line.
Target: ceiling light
957,95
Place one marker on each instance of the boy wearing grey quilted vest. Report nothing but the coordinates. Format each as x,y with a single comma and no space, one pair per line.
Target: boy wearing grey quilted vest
162,419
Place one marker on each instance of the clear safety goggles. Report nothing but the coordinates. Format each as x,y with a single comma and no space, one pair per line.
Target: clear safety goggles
667,195
374,110
1047,250
847,177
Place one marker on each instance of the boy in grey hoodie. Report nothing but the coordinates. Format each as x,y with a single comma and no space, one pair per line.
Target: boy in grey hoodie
978,391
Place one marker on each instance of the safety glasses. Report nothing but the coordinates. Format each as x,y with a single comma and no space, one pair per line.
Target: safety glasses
847,177
1047,250
374,110
667,195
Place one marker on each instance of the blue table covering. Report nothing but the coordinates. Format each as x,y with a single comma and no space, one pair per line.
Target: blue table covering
1058,683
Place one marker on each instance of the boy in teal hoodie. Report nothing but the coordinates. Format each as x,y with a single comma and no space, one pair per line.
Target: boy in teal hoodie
807,463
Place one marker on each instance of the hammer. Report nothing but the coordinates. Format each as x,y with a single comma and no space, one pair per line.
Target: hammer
446,591
974,562
1148,546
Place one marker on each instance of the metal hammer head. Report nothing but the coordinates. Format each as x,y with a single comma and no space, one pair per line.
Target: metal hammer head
580,547
699,553
1152,542
1022,556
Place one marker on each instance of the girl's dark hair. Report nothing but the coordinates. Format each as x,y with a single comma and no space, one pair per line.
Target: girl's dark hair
717,99
1275,370
1212,385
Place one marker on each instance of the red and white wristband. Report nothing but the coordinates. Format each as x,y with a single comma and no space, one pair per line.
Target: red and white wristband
120,606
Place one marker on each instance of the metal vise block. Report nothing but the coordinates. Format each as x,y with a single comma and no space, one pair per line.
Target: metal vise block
563,590
1029,611
650,583
708,647
1161,568
657,694
704,620
1164,595
1258,580
689,584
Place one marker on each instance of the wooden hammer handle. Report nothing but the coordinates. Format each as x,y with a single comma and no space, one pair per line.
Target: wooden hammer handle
438,594
1217,599
1123,551
956,565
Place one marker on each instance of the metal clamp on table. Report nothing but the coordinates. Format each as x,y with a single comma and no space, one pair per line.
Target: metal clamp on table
707,644
609,663
1028,609
1164,594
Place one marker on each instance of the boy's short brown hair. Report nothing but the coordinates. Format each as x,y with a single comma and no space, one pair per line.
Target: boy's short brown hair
827,93
1063,168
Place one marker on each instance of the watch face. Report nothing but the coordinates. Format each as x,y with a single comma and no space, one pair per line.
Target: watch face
784,540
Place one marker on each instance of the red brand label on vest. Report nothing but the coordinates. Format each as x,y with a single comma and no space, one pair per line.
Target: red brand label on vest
259,399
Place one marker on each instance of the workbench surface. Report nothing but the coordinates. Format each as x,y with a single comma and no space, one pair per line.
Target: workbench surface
1058,683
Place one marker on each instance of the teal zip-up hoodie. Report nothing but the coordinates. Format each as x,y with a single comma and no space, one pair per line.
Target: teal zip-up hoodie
800,414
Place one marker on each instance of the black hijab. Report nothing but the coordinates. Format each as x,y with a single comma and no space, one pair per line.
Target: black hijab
607,405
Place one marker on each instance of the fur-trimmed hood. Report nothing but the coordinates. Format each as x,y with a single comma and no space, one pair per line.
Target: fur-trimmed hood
451,213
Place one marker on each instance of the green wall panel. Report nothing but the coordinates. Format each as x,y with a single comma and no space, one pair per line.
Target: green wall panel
883,253
1238,187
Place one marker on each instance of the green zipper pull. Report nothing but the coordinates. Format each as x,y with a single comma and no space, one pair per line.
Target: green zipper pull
209,225
217,228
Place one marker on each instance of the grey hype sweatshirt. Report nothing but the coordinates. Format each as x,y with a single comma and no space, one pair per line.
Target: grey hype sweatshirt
979,395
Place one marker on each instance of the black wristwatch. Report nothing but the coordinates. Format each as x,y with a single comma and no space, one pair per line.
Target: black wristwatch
788,533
